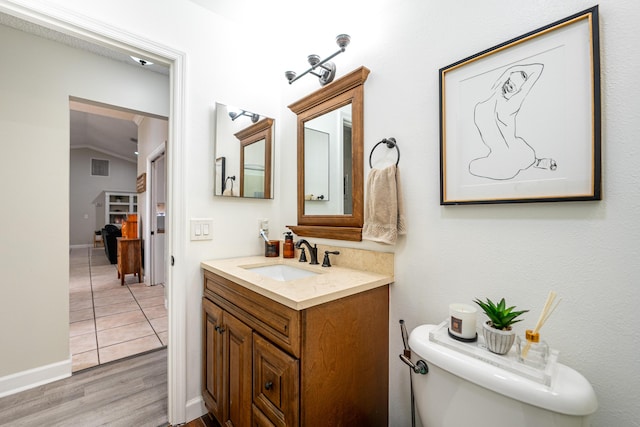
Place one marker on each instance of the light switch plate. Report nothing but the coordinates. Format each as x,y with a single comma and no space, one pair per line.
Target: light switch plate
201,229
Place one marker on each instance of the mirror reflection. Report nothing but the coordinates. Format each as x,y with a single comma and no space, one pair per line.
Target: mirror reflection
252,169
330,159
243,152
327,164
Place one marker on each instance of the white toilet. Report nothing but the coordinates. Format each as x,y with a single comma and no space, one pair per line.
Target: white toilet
460,390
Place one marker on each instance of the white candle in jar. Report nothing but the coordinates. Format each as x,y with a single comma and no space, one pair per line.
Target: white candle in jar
462,320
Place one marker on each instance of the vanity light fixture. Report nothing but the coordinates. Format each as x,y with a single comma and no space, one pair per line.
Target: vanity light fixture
254,117
324,70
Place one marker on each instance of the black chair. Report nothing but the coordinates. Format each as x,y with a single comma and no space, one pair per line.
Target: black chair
109,234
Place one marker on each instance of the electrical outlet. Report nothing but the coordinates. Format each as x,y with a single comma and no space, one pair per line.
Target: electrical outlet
263,224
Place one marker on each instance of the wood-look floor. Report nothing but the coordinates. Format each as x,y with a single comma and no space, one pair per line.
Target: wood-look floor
204,421
130,392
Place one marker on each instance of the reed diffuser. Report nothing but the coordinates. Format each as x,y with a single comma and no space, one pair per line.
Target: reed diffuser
533,351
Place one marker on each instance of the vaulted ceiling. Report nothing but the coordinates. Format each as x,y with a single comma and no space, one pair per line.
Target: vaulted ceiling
104,129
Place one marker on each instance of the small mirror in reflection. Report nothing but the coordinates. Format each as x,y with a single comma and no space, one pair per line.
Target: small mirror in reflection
244,154
253,166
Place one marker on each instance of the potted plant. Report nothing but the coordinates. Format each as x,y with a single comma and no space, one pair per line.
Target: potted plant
497,331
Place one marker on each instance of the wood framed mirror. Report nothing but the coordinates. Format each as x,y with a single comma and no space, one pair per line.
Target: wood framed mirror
243,148
330,159
255,160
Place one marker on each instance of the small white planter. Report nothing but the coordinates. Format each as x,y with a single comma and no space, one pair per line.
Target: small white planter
497,340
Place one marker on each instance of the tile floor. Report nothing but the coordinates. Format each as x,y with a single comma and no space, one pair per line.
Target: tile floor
109,321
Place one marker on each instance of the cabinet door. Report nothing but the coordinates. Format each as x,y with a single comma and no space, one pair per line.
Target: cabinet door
275,383
238,352
260,419
212,361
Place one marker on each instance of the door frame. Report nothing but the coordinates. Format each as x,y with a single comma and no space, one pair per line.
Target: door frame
150,250
88,29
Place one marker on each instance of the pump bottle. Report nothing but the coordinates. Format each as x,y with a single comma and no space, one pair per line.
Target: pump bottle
288,251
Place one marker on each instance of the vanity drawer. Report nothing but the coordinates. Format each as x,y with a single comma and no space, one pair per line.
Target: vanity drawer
275,321
275,383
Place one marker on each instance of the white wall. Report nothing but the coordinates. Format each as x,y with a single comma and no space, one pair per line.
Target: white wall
86,196
152,136
35,165
216,70
585,251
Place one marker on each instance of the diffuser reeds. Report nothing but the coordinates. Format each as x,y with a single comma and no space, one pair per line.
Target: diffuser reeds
547,310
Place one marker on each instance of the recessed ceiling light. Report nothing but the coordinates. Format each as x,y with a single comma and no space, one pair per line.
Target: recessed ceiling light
141,61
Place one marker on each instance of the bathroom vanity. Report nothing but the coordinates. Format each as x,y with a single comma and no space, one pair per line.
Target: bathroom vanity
305,350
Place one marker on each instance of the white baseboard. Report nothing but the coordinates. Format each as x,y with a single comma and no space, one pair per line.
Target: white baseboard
86,245
195,409
25,380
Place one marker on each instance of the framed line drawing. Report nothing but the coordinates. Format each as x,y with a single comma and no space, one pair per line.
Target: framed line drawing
520,122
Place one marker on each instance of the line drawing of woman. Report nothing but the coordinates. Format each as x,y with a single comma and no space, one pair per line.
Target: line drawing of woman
495,119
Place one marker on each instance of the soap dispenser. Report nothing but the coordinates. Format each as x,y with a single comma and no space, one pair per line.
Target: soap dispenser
288,251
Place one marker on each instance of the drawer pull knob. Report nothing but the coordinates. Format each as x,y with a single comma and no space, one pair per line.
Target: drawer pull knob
268,385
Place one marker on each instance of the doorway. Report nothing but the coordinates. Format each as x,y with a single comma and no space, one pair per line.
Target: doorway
83,30
157,219
115,314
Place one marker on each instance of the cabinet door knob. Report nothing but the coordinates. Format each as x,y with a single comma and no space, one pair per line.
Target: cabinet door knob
268,385
220,329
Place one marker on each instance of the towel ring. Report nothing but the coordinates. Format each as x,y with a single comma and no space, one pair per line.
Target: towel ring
232,178
391,143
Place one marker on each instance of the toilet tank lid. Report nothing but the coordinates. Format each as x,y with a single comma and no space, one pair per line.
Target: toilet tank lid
570,393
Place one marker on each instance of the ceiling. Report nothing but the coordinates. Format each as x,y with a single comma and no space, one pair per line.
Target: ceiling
49,34
103,128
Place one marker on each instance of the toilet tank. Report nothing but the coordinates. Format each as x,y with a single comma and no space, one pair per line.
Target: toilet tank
463,390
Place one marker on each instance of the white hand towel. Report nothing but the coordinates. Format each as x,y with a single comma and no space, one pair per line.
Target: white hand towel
384,209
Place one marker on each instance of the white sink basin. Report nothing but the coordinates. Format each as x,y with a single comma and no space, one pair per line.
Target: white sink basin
281,272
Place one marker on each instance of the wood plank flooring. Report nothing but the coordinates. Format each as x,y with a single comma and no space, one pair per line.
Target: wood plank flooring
204,421
128,392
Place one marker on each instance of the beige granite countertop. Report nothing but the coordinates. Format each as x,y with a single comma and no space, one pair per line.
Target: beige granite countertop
331,283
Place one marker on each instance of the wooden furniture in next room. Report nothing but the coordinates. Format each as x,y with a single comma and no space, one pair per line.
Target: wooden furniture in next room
128,258
97,238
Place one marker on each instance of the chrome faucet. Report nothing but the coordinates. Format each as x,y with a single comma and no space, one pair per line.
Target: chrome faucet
313,251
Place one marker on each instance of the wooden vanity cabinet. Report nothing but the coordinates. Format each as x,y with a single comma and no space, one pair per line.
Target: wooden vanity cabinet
266,364
228,356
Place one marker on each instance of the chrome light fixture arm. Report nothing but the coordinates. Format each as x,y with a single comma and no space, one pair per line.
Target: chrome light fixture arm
254,117
327,70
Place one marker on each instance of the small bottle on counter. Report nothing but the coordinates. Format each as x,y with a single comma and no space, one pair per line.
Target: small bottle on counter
288,251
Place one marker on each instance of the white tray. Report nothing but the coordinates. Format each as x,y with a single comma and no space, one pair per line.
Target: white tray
508,362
